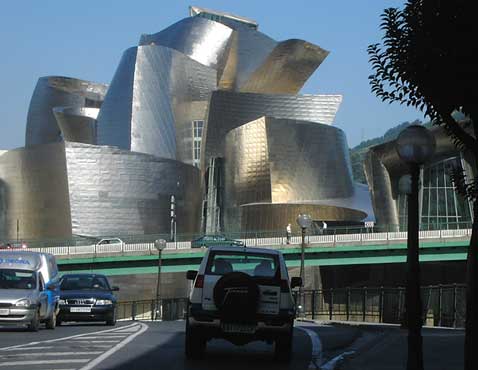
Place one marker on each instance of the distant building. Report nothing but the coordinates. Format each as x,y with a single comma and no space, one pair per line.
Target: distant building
440,207
206,110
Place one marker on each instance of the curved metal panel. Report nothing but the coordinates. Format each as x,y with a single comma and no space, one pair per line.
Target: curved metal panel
286,69
283,161
249,49
383,169
34,193
197,11
276,216
56,91
204,41
77,124
114,118
166,90
118,192
229,110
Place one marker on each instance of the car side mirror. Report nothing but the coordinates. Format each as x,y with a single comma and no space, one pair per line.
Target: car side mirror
191,274
51,287
295,282
114,289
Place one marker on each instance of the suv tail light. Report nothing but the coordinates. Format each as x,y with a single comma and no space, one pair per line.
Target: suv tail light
199,283
284,286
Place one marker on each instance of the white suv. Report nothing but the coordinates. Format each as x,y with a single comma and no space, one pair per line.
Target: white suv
241,294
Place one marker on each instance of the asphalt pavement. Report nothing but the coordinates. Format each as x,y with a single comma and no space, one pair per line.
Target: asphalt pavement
442,350
153,345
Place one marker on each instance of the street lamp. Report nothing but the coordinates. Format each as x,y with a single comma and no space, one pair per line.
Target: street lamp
415,145
159,244
304,221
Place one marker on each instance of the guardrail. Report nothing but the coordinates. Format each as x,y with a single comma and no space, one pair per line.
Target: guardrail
169,309
331,237
443,305
331,240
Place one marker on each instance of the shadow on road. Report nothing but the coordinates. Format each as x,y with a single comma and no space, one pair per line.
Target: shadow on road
220,355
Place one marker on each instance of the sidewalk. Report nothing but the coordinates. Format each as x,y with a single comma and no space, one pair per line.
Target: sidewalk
442,350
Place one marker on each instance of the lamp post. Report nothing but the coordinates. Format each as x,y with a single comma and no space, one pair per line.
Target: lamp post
304,221
415,145
159,244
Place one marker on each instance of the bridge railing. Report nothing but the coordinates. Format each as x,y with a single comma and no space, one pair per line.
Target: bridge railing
144,244
168,309
443,305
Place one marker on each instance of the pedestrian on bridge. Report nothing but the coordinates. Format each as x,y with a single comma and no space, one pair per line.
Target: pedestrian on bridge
288,232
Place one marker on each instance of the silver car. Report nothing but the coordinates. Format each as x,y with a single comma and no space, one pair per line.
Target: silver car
29,289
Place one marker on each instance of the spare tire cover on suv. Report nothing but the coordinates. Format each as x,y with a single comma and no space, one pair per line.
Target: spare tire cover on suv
236,296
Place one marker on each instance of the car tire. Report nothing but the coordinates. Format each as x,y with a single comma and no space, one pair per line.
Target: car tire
232,306
195,344
51,322
34,325
283,347
58,322
111,320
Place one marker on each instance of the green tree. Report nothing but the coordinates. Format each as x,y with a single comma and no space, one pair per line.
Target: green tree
427,60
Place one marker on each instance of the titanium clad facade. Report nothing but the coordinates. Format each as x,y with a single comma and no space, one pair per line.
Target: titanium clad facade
286,68
54,91
228,110
439,206
34,191
160,85
114,118
77,124
118,192
280,161
275,216
209,90
200,39
249,49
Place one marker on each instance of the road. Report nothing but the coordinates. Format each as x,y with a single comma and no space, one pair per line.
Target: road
147,345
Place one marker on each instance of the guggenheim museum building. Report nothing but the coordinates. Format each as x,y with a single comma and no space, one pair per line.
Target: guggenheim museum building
204,117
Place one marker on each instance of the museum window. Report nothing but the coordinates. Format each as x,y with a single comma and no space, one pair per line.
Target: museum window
197,126
441,208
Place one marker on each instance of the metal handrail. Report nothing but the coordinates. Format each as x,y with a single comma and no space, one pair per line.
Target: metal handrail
443,305
144,244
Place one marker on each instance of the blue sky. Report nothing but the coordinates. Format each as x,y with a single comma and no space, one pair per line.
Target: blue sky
85,39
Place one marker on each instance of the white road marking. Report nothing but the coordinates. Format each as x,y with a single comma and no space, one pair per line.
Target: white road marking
105,337
316,356
39,354
82,342
116,348
66,338
27,348
44,362
95,341
330,365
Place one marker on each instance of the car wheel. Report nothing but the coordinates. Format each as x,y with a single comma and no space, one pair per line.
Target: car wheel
111,321
283,347
34,325
235,305
51,322
195,344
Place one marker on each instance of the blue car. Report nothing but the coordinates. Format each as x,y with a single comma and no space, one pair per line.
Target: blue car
210,240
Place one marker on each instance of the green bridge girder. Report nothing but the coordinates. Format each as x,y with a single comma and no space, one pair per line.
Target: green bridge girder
449,250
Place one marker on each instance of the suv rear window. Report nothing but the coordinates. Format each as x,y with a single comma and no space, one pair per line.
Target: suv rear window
253,264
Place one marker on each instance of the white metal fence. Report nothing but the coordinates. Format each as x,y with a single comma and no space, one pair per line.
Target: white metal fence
134,247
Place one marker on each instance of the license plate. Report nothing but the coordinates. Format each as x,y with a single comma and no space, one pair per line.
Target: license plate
80,309
4,312
238,328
